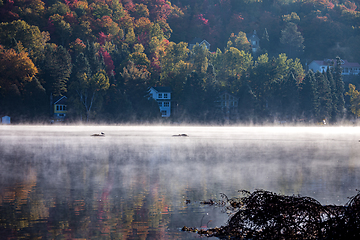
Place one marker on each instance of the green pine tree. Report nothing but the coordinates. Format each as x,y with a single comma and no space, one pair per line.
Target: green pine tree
339,90
193,95
56,70
309,97
325,99
334,97
96,62
290,99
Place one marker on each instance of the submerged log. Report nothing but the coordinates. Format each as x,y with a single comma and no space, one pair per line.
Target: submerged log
266,215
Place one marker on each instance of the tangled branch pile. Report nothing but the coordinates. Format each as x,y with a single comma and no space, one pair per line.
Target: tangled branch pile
266,215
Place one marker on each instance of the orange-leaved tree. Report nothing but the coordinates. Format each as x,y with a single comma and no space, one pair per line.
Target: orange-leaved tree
15,68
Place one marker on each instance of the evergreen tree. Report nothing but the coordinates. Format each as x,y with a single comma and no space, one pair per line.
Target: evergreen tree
96,61
292,39
339,90
212,91
35,101
354,100
325,99
116,106
81,66
86,89
56,70
334,97
136,85
309,97
265,39
260,82
175,67
290,98
192,98
136,82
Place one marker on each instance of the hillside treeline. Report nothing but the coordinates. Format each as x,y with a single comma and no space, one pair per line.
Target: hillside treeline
105,54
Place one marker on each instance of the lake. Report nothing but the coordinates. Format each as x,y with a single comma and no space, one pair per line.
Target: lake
58,182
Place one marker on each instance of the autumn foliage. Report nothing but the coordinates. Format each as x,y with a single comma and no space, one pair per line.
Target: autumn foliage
153,36
15,68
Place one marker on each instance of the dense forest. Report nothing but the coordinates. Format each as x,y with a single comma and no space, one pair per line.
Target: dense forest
105,54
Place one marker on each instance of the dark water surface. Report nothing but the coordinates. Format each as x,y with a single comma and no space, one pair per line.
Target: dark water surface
57,182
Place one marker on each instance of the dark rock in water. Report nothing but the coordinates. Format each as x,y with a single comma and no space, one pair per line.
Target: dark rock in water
266,215
102,134
180,135
208,202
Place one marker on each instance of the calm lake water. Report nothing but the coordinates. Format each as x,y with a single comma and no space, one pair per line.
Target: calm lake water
57,182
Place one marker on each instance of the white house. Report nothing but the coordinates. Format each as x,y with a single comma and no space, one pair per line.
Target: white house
349,68
200,42
163,97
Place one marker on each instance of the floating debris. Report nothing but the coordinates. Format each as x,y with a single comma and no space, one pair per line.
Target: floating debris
180,135
102,134
208,202
266,215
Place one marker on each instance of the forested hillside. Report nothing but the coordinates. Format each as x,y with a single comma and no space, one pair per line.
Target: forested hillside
105,54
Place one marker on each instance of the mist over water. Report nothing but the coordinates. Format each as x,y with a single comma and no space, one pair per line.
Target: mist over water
133,182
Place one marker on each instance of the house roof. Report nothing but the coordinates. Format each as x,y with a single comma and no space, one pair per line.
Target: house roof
350,64
226,92
253,36
199,41
162,89
327,62
196,40
60,100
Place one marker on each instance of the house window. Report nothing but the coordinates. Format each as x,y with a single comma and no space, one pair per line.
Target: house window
57,107
163,112
160,104
165,95
166,104
160,95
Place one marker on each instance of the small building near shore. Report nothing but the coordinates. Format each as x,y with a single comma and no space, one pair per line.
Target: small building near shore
5,120
163,97
60,108
201,42
228,103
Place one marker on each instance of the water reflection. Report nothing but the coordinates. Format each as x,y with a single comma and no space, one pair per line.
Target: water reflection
58,182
